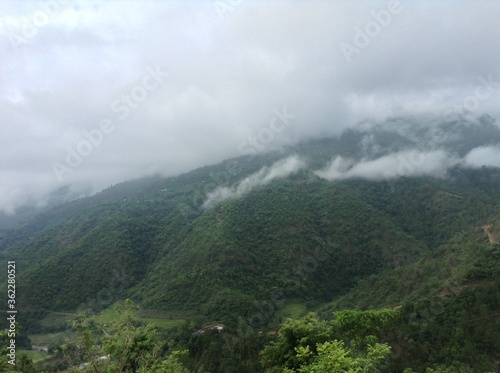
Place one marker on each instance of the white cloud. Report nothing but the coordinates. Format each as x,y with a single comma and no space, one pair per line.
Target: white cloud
264,176
483,156
226,79
405,163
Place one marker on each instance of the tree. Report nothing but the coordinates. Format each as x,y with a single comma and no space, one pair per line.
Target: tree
361,327
125,345
313,346
333,356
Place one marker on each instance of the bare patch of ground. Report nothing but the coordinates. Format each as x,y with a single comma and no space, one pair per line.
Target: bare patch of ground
491,235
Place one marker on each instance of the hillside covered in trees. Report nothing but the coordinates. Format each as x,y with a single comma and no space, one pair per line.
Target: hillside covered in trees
306,272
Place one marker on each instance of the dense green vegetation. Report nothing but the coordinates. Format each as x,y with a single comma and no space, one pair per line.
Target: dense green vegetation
414,248
348,341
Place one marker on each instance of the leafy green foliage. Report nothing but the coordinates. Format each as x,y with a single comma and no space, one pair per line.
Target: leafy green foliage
410,243
311,345
334,357
123,346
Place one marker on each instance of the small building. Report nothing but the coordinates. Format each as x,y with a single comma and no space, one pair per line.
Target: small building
218,327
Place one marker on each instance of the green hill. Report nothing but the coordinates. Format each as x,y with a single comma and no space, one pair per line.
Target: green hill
297,241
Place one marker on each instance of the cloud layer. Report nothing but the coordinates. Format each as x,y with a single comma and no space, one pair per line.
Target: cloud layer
408,163
405,163
174,85
483,156
264,176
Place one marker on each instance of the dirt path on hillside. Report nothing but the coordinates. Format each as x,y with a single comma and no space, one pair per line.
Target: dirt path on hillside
491,236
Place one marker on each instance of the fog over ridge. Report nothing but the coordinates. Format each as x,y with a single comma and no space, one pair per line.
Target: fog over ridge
264,176
406,163
96,93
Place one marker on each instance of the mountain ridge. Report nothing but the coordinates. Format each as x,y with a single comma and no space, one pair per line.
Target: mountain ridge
280,238
137,225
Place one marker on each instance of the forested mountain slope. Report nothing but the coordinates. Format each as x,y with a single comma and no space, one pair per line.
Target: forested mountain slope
172,253
286,236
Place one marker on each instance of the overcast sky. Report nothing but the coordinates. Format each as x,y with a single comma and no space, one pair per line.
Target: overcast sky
93,93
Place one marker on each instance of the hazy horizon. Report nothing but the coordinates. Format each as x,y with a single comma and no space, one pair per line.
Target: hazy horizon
94,93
